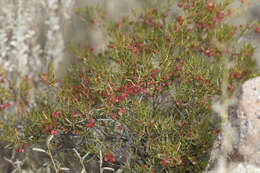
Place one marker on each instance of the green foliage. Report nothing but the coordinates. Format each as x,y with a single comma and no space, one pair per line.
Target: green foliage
155,81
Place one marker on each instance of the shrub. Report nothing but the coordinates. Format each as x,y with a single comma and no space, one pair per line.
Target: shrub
143,105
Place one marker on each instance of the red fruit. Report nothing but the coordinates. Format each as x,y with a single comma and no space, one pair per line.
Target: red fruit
90,124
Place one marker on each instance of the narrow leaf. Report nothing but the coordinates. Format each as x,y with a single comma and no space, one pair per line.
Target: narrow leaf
39,149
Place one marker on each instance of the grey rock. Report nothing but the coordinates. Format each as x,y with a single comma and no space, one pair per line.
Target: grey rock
243,130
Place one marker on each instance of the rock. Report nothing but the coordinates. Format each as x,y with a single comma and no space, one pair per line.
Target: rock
243,131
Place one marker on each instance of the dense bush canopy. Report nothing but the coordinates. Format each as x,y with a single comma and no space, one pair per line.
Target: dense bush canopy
143,105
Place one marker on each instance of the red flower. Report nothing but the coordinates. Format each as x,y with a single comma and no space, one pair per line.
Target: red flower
119,88
178,103
24,145
179,5
46,131
137,89
54,132
114,116
186,7
90,124
179,161
150,83
199,78
115,100
117,24
158,25
197,26
209,5
221,14
150,123
119,127
256,28
154,70
109,157
121,34
41,79
123,94
180,124
143,92
54,114
229,12
130,91
215,19
175,29
179,18
19,150
72,115
141,83
112,160
91,49
93,22
135,49
121,111
139,44
4,106
164,161
159,88
110,46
